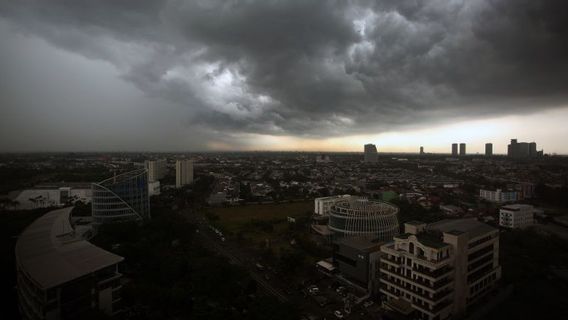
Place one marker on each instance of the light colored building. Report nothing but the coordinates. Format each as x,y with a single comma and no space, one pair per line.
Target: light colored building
516,216
156,169
437,271
122,198
462,149
371,155
52,195
62,276
323,205
499,195
153,188
359,217
184,173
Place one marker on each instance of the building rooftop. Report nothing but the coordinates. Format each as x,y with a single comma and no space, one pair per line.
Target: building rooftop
362,244
459,226
50,253
517,207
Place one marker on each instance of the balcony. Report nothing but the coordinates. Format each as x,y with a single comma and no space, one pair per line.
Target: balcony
435,274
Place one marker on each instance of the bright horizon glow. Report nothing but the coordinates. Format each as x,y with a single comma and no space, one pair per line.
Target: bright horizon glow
543,128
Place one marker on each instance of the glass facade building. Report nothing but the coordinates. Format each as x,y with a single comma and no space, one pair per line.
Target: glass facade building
359,217
122,198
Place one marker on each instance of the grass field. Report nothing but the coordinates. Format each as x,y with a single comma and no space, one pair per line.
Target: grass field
235,219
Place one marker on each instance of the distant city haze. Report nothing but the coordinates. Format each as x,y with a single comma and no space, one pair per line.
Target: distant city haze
211,75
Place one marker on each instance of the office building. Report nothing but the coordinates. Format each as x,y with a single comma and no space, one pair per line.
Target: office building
489,149
322,206
499,195
516,216
437,271
462,149
454,149
121,198
62,276
359,217
522,149
371,155
357,259
184,173
156,169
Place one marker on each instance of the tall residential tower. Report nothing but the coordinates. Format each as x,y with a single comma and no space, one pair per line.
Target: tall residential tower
184,173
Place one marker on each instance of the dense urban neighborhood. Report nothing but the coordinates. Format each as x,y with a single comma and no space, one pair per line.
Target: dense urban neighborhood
286,235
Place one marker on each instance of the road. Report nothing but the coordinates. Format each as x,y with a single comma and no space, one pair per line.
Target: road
213,242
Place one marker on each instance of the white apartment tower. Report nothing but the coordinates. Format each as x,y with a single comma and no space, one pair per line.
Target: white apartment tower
437,271
184,173
156,169
516,216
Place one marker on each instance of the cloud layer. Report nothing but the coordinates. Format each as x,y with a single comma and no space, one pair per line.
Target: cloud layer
320,68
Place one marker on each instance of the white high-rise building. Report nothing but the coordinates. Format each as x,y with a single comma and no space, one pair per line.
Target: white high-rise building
184,173
516,216
156,169
439,270
370,153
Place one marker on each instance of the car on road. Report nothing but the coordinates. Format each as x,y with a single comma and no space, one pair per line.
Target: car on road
338,314
368,303
313,290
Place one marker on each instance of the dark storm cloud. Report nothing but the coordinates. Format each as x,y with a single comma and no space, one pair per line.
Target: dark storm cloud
321,68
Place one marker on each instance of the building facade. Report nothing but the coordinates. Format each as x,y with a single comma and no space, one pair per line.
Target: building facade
462,149
437,271
322,206
156,169
522,149
499,195
359,217
60,275
489,149
357,259
121,198
184,173
516,216
454,149
371,155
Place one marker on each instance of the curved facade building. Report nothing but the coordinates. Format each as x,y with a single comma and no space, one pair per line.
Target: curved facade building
62,276
121,198
359,217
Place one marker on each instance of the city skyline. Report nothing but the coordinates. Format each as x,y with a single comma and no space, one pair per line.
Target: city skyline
168,79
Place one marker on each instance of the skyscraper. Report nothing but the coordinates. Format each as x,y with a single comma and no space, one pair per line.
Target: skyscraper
421,150
462,149
454,149
371,155
489,149
184,173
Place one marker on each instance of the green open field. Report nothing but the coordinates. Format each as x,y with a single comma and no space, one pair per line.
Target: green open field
253,224
234,219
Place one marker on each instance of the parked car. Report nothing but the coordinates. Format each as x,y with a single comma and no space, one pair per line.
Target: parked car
338,314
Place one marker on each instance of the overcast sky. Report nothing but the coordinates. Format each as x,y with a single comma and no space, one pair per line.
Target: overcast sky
82,75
